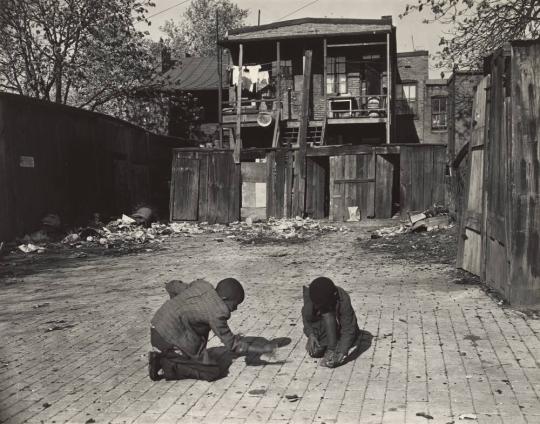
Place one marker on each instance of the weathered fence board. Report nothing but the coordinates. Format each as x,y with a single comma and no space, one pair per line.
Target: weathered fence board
525,154
422,182
185,189
216,195
470,246
384,181
317,187
352,183
63,160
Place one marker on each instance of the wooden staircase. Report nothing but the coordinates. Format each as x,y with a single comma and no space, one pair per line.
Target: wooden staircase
315,135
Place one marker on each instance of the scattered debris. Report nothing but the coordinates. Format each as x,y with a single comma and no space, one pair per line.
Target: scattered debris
468,417
257,392
389,231
41,305
292,398
127,235
90,421
46,405
472,338
424,415
61,324
431,219
354,214
127,220
422,248
430,224
31,248
144,215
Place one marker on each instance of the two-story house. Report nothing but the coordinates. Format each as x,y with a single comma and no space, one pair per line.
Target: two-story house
322,122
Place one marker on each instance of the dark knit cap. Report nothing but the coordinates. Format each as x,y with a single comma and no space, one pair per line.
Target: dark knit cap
231,289
322,291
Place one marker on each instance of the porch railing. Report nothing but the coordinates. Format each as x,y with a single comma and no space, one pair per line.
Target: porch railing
366,106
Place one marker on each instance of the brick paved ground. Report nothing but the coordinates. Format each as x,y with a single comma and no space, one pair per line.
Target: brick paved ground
438,348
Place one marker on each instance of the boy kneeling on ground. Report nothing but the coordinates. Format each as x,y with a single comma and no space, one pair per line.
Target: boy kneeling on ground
181,326
329,322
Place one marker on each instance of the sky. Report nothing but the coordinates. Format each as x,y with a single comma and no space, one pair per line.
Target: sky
412,34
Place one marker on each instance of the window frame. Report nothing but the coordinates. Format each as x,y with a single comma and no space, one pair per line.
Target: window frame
412,104
439,113
333,72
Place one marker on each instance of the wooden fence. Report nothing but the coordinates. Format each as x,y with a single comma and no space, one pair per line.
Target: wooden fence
208,186
205,186
58,159
500,222
422,176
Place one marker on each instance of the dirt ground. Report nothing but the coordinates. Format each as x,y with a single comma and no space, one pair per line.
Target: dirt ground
75,334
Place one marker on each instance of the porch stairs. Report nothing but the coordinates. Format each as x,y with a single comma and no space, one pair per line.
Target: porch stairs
315,134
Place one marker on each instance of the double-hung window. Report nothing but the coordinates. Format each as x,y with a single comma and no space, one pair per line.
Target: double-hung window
336,75
407,100
438,113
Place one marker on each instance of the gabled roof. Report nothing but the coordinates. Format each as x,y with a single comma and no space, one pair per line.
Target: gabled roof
194,74
309,27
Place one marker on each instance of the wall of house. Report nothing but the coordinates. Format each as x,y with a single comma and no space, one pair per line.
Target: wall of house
58,159
413,67
318,106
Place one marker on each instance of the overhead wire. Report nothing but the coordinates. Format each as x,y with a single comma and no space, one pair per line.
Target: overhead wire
169,8
298,10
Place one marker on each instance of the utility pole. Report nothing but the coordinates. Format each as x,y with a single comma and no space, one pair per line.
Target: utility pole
220,81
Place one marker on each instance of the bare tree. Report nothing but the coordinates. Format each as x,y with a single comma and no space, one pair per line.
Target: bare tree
479,26
78,52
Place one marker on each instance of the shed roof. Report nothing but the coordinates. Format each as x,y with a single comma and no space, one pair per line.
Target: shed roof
194,74
309,27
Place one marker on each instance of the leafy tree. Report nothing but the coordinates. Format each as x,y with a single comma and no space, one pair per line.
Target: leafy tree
78,52
478,27
195,34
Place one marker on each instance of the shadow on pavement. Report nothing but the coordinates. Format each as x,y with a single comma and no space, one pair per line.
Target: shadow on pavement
255,359
362,345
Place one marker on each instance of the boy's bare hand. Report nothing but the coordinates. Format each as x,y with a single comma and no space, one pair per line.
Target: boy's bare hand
312,345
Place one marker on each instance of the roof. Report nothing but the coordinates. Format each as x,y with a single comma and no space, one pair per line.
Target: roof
437,82
309,27
414,53
194,74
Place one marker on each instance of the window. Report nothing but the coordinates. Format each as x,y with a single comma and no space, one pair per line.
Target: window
336,76
407,99
438,113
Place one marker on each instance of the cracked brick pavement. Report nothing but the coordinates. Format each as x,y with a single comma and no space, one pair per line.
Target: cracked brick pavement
438,348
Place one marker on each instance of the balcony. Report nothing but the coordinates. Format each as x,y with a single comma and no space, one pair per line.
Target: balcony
346,109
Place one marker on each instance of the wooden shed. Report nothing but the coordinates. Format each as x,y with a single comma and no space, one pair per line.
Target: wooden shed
500,225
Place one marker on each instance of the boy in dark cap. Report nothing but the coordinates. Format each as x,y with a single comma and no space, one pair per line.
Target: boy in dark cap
181,326
329,322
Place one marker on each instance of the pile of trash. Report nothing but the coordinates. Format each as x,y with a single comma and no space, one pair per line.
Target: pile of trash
434,218
135,230
280,230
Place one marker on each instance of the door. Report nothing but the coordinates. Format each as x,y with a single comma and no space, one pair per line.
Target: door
352,184
470,247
